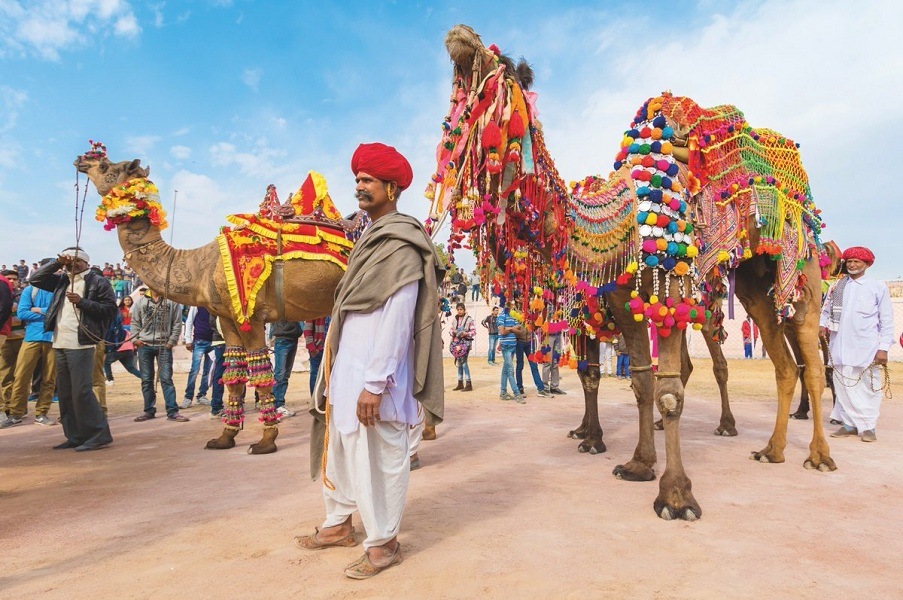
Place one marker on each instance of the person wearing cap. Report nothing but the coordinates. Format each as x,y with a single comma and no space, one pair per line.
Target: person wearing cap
857,318
383,355
80,312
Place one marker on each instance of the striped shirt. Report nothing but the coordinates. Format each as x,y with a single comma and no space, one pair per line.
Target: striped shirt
508,340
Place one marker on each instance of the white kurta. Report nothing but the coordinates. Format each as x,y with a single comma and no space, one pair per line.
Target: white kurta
376,353
369,466
866,326
866,323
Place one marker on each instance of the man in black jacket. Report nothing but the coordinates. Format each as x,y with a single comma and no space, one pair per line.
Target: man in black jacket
80,312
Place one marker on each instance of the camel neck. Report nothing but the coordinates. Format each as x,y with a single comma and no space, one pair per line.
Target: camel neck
157,263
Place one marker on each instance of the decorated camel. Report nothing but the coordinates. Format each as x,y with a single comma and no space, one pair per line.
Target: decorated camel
696,196
282,263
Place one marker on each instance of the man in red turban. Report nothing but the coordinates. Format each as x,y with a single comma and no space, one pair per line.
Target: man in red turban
384,331
858,320
383,162
859,253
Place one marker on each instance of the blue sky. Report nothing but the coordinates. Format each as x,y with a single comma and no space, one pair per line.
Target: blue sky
222,97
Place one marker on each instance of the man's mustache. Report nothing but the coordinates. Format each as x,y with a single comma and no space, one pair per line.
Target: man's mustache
363,195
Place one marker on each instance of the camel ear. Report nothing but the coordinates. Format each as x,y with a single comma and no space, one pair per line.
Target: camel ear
135,168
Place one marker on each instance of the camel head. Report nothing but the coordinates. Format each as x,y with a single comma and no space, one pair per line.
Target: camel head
493,174
491,112
105,174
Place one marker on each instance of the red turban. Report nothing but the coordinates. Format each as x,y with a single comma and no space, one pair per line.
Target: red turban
383,162
860,253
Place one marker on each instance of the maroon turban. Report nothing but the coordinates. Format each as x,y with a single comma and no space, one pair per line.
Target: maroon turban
861,253
383,162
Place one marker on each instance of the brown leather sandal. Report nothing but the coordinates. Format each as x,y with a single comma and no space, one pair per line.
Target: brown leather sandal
311,542
364,568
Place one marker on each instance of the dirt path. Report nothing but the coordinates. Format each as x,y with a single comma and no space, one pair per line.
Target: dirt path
503,507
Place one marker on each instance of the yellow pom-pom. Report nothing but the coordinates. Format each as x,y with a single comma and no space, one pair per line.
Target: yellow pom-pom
697,326
632,267
692,251
638,318
723,256
747,253
634,293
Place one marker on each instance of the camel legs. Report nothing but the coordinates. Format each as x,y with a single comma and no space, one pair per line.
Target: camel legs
242,367
234,377
590,430
751,292
675,498
802,411
260,373
727,425
642,466
805,322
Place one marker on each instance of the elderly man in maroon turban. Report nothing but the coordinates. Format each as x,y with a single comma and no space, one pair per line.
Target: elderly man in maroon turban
857,317
382,358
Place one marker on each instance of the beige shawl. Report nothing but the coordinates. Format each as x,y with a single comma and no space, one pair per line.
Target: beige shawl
394,251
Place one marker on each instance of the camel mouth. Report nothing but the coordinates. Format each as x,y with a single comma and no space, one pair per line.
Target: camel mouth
81,164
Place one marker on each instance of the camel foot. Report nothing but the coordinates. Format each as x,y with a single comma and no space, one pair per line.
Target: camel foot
429,432
267,443
577,434
225,441
726,431
634,471
767,455
676,501
823,463
658,425
592,446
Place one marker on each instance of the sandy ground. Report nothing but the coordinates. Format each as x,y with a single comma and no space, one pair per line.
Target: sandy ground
503,507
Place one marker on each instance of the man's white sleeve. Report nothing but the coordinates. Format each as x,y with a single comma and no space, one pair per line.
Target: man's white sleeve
393,334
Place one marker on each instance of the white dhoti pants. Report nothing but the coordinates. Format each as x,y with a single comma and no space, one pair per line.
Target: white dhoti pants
370,469
857,406
415,432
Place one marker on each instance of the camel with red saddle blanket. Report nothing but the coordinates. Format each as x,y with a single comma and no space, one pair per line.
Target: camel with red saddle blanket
282,263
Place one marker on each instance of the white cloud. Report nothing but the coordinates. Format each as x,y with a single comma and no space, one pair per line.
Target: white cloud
251,78
11,101
47,27
257,160
180,152
141,145
127,26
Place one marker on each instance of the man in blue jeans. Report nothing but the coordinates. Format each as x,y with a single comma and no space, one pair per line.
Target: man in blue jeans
491,323
198,339
156,324
285,336
508,328
525,348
